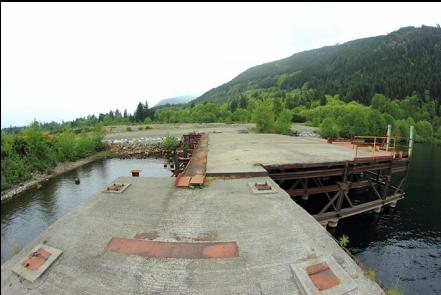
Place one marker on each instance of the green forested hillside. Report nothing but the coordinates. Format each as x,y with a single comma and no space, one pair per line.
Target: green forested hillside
357,88
397,65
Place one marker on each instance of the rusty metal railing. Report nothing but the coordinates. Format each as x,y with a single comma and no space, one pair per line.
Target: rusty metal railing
380,145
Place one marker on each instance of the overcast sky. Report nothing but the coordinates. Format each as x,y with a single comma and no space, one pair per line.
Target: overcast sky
66,60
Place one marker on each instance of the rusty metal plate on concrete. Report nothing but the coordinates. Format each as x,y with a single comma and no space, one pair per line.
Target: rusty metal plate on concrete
135,172
197,180
37,259
256,187
116,188
322,276
202,250
33,265
183,181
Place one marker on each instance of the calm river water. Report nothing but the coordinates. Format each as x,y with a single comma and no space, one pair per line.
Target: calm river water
402,245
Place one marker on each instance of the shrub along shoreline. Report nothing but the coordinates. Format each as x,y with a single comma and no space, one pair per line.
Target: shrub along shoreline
38,179
34,151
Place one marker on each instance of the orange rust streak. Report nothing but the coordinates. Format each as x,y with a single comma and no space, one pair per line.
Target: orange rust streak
35,262
182,181
173,249
316,268
197,179
322,276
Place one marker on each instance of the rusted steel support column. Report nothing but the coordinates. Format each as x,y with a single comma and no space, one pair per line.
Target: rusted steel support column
389,132
387,179
343,188
305,195
411,139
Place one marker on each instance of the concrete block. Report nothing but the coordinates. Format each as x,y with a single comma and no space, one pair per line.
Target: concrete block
33,273
254,189
346,284
121,186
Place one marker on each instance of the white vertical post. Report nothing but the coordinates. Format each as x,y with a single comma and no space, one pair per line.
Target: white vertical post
389,131
411,138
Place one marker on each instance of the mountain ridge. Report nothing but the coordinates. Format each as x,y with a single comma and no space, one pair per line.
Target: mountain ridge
174,100
395,64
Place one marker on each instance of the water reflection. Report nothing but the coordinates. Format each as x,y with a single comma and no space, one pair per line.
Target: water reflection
403,244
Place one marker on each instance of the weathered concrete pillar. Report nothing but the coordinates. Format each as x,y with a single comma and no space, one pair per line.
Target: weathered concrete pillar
324,223
393,204
333,223
305,197
389,132
411,139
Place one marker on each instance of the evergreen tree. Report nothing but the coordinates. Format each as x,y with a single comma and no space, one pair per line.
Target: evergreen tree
139,113
233,105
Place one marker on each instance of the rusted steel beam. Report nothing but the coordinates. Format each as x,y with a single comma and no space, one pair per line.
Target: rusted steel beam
320,184
399,169
348,199
344,188
401,160
357,209
237,174
313,190
331,202
373,158
364,168
375,190
325,189
365,160
401,184
305,165
307,174
387,182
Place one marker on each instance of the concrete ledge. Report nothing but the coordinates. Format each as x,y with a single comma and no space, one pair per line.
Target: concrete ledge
254,189
307,287
31,275
126,185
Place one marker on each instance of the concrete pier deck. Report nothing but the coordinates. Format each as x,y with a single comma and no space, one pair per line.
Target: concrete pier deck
230,153
225,238
272,234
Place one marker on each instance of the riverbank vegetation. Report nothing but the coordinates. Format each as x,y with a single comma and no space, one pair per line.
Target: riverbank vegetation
274,109
355,88
37,150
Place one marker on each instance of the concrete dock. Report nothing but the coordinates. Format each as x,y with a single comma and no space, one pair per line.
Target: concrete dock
230,153
274,236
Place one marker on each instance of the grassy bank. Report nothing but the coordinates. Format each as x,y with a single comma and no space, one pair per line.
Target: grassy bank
34,150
